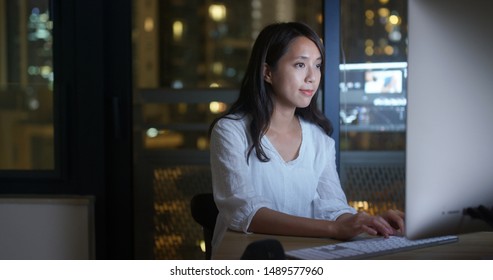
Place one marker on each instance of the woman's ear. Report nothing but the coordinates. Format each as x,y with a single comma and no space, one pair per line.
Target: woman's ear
267,73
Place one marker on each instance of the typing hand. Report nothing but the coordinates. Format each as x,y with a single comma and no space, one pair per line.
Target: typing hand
352,225
396,219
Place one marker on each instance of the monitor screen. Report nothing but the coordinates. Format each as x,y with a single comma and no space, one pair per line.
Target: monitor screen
373,97
383,82
449,152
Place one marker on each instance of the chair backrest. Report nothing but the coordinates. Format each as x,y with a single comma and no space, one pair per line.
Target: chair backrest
204,212
266,249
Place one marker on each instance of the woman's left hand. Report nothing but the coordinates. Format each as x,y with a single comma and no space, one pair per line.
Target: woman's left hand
396,219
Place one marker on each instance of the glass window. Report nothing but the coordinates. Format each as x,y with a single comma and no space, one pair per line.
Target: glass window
188,48
26,86
189,59
373,98
373,75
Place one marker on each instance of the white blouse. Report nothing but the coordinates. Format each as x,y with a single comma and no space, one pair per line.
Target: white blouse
307,186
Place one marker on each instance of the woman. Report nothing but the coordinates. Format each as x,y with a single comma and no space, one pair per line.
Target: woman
272,158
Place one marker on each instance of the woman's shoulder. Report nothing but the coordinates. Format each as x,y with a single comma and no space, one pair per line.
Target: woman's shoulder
232,120
231,124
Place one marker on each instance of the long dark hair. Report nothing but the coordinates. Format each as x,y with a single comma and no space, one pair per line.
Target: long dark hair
255,99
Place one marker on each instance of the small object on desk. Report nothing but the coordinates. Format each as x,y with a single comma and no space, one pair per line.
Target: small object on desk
365,248
268,249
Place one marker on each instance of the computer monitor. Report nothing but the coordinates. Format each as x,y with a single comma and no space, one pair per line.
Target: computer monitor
449,153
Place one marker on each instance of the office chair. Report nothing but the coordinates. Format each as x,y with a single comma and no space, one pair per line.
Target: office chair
267,249
204,212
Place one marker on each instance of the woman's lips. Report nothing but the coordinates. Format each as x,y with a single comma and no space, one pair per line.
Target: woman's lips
307,92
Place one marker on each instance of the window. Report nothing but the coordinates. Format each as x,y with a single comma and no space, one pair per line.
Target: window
26,86
373,98
373,75
189,59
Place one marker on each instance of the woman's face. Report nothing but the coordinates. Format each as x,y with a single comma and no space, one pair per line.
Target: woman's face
296,77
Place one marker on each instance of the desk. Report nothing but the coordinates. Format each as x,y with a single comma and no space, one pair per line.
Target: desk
470,246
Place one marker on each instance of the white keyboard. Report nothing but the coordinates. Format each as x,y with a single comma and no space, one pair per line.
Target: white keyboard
365,248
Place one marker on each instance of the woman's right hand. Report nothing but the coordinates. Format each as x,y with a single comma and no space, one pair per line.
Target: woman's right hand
348,226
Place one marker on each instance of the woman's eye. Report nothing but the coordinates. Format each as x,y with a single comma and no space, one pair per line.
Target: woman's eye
319,66
300,65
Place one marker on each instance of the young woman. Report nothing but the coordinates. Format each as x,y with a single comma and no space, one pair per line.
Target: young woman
272,158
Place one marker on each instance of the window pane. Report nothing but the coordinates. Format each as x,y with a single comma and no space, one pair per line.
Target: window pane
373,75
198,45
373,98
189,59
202,44
26,86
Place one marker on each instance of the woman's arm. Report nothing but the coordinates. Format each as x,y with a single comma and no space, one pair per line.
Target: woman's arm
345,227
270,221
234,191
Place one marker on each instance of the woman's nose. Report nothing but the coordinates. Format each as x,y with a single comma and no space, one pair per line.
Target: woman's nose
311,75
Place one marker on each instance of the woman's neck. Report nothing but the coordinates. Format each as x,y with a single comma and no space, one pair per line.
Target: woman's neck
283,121
285,135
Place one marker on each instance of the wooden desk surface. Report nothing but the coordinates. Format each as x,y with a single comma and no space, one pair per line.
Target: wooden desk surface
473,246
